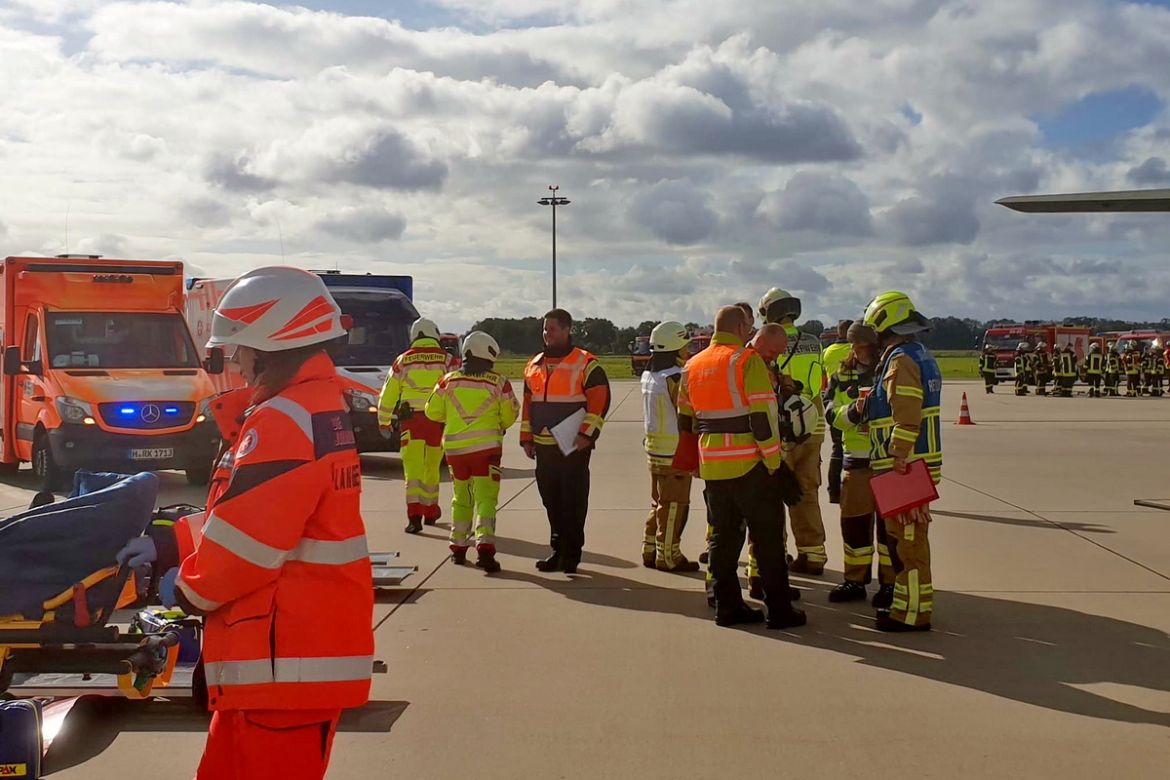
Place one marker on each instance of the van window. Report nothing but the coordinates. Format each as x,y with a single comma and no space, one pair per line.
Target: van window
119,340
32,344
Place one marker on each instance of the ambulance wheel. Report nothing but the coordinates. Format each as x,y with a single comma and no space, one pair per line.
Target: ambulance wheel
52,477
199,476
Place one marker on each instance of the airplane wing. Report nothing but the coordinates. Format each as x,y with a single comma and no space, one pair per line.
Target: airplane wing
1085,202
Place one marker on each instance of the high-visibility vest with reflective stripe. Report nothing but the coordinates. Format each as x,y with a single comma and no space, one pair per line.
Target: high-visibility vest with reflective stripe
475,411
714,381
558,392
846,386
1094,365
660,415
833,356
806,366
413,377
1112,363
1066,364
928,445
1132,362
281,568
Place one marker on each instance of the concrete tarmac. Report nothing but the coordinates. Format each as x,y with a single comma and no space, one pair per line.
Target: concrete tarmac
1050,655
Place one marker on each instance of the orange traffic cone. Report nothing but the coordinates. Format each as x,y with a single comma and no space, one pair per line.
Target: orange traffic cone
964,413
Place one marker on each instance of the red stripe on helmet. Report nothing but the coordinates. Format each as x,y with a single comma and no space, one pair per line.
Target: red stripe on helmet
316,309
248,314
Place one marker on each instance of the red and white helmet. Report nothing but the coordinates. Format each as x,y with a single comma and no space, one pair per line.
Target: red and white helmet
275,309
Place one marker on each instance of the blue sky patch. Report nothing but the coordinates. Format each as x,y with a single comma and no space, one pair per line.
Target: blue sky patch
1100,117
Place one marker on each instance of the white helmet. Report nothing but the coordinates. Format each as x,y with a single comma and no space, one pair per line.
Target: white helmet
422,328
481,345
276,309
669,336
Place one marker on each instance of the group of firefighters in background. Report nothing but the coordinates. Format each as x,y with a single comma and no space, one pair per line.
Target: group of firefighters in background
1143,371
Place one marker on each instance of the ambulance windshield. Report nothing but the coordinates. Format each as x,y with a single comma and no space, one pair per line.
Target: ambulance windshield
119,340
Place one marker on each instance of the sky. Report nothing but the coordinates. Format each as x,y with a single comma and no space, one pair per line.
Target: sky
710,150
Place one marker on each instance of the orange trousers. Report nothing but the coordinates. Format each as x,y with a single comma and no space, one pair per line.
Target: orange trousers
268,745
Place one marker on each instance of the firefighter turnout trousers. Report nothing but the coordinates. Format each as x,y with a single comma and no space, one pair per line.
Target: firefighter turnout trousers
422,454
859,526
808,529
910,556
670,504
476,478
259,744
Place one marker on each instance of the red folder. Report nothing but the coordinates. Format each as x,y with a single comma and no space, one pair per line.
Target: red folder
896,493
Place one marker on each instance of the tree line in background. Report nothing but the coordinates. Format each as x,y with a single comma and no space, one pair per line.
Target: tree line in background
522,336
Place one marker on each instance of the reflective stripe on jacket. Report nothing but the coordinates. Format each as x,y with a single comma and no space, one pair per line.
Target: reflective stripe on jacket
903,409
844,388
555,388
281,569
727,398
475,410
1094,364
412,378
660,414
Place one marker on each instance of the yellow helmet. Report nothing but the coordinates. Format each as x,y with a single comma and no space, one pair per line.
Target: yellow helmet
779,304
894,312
669,336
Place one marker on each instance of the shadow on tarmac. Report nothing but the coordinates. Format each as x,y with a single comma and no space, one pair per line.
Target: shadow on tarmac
535,552
1026,522
382,468
95,722
1031,653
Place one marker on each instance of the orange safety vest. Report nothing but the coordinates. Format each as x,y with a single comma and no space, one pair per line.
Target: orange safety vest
722,406
280,565
558,393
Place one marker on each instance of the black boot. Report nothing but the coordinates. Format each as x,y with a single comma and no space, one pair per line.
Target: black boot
743,615
649,561
884,598
790,617
486,560
704,557
681,566
848,591
883,622
551,563
802,565
459,556
569,565
414,525
756,588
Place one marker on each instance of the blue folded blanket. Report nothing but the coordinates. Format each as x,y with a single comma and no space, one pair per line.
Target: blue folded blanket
46,550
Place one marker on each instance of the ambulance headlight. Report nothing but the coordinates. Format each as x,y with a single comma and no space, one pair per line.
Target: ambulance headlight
362,402
73,410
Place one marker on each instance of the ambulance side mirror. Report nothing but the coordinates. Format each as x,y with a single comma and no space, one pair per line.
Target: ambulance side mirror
12,364
214,362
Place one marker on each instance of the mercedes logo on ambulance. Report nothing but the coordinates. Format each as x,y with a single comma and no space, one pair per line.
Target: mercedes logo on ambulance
151,414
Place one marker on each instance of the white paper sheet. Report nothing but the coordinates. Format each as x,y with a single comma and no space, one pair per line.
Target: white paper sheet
565,432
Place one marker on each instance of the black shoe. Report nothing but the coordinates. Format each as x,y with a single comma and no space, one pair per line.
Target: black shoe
551,563
649,562
487,561
742,615
802,565
414,525
569,566
884,598
883,622
682,567
834,498
431,520
459,557
756,588
848,591
704,557
780,619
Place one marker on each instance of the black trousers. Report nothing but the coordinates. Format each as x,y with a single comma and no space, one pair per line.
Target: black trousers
836,461
751,502
563,482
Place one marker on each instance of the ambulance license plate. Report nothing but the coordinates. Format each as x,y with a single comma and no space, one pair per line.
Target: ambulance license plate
153,453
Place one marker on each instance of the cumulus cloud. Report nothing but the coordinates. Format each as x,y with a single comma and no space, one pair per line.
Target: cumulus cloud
364,226
823,202
711,150
675,212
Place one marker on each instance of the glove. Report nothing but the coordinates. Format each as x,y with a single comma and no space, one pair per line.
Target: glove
166,588
138,552
790,492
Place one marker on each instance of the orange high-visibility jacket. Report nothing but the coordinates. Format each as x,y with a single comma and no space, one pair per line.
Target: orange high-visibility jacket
281,567
727,398
555,388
